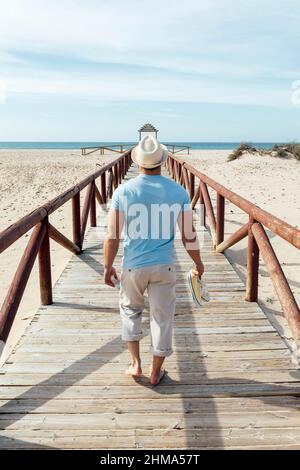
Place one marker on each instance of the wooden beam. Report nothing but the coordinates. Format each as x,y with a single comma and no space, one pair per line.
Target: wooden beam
16,230
45,267
85,211
110,185
281,286
76,224
252,266
93,221
196,197
233,239
186,180
192,185
59,238
103,187
220,219
98,196
209,210
17,287
202,209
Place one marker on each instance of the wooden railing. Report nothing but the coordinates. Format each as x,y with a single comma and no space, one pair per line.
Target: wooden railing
117,148
258,241
38,246
176,148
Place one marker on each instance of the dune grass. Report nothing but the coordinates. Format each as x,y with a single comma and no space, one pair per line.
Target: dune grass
278,150
240,150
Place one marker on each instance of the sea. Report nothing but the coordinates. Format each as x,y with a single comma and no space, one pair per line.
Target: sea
78,145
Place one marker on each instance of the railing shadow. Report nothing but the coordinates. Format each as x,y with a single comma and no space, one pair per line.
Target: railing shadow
204,392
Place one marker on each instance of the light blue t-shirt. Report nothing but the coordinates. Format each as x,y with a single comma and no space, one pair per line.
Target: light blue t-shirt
151,205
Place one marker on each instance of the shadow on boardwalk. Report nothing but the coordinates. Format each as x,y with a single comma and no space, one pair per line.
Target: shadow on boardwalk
197,399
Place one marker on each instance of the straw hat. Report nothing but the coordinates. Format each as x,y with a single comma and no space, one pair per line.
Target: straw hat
149,153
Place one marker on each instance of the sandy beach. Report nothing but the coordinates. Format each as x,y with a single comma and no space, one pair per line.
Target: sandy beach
30,178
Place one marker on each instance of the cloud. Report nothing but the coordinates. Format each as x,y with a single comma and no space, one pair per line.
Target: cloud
138,86
208,50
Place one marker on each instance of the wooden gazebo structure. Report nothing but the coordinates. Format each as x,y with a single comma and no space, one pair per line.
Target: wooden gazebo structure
147,129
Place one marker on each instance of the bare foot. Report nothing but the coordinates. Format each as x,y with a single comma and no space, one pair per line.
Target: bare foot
134,370
156,377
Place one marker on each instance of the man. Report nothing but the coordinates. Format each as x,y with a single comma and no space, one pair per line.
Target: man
149,206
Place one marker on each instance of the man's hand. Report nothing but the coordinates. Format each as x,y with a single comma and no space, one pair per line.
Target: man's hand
108,274
198,269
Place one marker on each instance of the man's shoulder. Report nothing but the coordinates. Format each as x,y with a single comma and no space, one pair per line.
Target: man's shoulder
121,189
175,186
130,184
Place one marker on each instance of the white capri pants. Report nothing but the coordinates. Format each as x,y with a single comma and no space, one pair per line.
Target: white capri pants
160,281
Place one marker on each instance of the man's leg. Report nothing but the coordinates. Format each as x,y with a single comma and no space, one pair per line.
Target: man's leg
162,297
135,368
133,285
156,372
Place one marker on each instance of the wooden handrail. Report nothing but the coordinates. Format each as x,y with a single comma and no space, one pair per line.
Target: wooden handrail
176,148
258,240
280,227
39,241
102,148
16,230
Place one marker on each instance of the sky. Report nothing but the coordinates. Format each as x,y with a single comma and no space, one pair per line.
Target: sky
199,70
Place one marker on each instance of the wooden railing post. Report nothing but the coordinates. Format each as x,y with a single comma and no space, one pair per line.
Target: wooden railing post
252,266
103,187
110,184
45,267
93,220
220,219
179,173
209,210
115,177
202,208
120,171
85,211
192,186
76,219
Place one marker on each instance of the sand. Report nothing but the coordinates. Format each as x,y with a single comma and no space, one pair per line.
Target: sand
30,178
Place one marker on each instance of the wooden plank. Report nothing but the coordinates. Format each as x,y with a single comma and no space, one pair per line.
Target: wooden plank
117,377
131,421
131,391
58,405
152,439
47,353
184,364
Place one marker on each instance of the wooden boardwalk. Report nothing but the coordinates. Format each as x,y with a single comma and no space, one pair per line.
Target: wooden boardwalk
230,382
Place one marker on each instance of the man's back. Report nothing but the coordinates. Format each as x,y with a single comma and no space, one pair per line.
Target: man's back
151,205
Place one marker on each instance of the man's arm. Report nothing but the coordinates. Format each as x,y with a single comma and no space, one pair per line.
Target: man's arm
190,240
111,244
